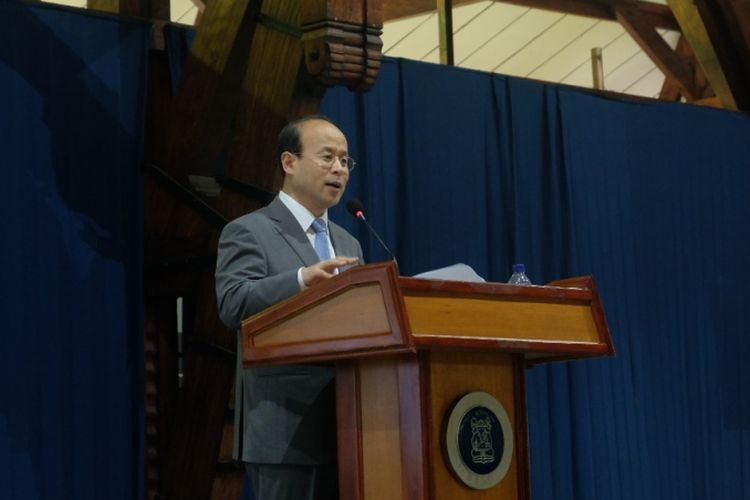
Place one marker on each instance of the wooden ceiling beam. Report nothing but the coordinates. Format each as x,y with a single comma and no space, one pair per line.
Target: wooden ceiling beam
651,42
737,13
712,102
657,15
727,24
695,30
671,90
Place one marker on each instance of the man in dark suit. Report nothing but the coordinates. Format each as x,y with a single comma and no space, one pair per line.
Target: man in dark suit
285,415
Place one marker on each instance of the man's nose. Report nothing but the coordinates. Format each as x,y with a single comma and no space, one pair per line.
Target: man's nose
337,165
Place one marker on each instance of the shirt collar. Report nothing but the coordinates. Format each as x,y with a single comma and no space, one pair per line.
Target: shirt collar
300,213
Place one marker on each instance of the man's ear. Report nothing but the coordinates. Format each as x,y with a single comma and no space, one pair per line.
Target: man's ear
288,162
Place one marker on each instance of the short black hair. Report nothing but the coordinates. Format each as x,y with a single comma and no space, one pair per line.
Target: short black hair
289,137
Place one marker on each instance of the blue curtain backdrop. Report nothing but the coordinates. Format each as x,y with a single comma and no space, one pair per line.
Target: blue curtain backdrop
72,91
651,198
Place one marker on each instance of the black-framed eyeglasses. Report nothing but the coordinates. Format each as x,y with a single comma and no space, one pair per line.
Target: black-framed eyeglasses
327,160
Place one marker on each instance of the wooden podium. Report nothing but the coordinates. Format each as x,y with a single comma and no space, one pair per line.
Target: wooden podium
406,350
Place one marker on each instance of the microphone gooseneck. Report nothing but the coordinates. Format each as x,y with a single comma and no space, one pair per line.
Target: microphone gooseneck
355,207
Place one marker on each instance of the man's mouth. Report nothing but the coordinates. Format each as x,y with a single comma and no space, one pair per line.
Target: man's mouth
335,184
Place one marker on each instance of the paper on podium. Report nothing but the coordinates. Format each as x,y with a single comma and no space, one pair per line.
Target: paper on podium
456,272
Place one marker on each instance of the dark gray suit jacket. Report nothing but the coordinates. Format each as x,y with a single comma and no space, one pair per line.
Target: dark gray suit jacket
283,414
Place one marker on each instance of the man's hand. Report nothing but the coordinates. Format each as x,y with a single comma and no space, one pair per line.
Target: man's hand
325,269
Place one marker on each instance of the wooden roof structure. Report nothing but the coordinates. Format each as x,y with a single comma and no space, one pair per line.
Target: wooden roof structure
710,63
704,59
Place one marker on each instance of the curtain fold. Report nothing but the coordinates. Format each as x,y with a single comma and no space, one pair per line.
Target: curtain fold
649,197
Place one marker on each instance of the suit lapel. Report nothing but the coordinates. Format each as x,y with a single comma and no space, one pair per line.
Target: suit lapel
289,229
338,241
344,245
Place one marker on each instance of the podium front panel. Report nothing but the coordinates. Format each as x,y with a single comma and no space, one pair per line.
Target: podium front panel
501,318
455,374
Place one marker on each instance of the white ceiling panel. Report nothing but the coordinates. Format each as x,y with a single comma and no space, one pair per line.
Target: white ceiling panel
465,26
575,53
69,3
464,18
511,39
629,72
494,19
615,53
416,43
401,29
183,11
653,80
546,45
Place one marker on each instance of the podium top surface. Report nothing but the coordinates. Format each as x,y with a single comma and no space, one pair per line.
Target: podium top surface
370,310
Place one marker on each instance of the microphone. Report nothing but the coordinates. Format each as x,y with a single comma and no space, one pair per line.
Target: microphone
354,207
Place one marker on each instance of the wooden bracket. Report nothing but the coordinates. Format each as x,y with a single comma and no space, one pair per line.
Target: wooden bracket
666,59
342,44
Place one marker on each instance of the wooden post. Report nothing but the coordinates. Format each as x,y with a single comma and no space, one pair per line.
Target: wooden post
597,68
445,28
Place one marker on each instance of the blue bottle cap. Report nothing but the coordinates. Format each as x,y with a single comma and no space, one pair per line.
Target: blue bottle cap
519,268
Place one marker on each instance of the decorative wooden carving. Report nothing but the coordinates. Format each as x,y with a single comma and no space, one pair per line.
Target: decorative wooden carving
342,43
655,14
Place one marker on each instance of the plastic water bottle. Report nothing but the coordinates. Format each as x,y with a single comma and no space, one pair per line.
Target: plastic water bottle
519,275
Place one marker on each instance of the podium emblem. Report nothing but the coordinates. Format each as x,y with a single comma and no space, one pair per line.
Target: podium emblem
478,440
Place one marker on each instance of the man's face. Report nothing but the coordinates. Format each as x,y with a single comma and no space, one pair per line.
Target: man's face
308,177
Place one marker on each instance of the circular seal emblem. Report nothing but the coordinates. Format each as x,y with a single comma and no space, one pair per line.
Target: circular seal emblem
478,440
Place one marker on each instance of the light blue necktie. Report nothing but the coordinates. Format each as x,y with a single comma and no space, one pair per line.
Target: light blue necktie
321,239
